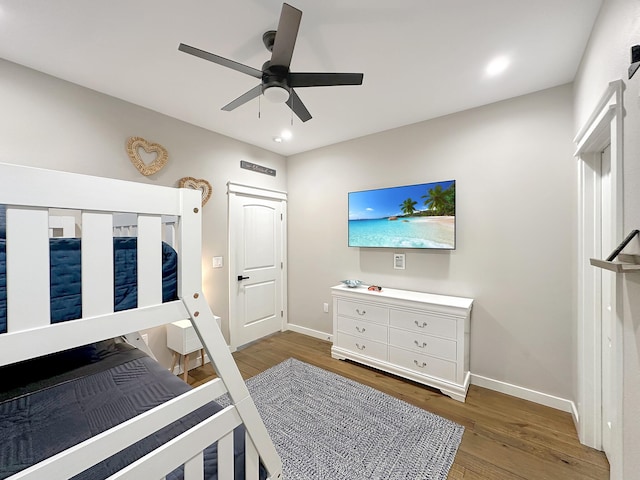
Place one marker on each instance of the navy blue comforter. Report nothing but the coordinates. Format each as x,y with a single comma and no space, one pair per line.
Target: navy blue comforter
66,289
54,402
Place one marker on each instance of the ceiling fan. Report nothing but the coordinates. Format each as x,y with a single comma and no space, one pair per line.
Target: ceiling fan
276,81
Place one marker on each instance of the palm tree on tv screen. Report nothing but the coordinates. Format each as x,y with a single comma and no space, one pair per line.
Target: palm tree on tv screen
408,206
450,194
440,201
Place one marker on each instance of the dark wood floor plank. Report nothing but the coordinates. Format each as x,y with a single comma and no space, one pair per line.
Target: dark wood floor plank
505,438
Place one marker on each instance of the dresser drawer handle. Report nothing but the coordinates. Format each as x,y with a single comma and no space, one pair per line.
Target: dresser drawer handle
419,345
424,324
363,312
361,330
360,347
421,365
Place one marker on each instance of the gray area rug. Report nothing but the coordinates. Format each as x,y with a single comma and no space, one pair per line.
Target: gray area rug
327,427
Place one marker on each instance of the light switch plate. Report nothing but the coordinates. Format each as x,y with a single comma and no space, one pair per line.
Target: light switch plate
217,262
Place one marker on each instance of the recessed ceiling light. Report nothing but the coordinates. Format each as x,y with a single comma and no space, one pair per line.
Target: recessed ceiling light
277,139
497,66
286,134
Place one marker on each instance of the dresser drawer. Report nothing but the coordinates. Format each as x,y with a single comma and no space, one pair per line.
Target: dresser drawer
423,323
362,346
363,311
363,329
436,346
424,364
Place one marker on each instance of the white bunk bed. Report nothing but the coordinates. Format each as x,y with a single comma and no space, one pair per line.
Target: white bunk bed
27,194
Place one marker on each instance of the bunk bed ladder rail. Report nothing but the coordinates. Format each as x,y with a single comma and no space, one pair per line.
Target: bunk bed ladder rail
189,290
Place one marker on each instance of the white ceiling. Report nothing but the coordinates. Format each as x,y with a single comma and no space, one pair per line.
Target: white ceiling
421,58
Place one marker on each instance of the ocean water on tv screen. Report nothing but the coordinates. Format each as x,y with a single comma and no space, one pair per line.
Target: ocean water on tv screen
416,232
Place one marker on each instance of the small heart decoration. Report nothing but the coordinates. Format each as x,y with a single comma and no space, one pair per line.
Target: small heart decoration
134,144
197,184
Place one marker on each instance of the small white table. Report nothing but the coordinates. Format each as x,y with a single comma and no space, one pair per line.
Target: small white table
183,340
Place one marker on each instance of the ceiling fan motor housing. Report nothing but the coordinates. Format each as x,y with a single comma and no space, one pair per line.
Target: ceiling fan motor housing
275,86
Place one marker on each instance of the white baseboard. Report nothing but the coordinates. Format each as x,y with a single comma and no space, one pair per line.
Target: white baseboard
575,415
526,394
309,332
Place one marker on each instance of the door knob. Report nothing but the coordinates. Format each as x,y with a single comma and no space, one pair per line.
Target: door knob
240,278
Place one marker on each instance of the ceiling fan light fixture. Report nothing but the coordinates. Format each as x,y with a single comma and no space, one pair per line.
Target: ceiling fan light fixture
276,94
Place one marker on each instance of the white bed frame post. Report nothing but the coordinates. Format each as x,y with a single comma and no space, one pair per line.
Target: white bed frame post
190,291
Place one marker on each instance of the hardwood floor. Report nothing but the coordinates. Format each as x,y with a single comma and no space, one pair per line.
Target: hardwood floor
505,437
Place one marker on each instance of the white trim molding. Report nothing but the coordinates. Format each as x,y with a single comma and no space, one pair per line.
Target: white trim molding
603,128
241,189
309,332
525,393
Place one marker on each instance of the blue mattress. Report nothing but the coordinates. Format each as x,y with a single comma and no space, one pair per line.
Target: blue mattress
54,402
66,291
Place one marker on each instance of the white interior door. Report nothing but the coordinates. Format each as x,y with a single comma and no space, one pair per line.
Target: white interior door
608,322
256,253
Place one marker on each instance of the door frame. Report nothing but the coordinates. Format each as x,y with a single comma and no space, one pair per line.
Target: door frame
254,192
604,127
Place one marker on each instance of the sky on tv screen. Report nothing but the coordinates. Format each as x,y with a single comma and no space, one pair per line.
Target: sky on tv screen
385,202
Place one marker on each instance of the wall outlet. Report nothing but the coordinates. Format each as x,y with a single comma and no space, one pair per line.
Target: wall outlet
325,307
398,261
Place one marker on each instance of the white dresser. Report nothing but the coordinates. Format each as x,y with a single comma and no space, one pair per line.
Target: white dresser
419,336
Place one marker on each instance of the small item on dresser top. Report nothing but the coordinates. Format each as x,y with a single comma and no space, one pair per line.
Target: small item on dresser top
375,288
352,283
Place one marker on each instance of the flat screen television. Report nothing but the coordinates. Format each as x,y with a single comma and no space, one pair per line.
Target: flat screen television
410,216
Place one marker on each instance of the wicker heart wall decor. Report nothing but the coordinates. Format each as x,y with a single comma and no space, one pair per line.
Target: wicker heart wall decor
197,184
134,144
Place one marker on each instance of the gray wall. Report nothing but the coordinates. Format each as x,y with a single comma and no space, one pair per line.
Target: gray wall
49,123
516,223
607,59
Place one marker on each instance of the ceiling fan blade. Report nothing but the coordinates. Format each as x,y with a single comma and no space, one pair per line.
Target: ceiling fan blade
298,107
286,36
324,79
225,62
242,99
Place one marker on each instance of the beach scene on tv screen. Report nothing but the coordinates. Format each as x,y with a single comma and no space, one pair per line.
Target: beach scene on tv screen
411,216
